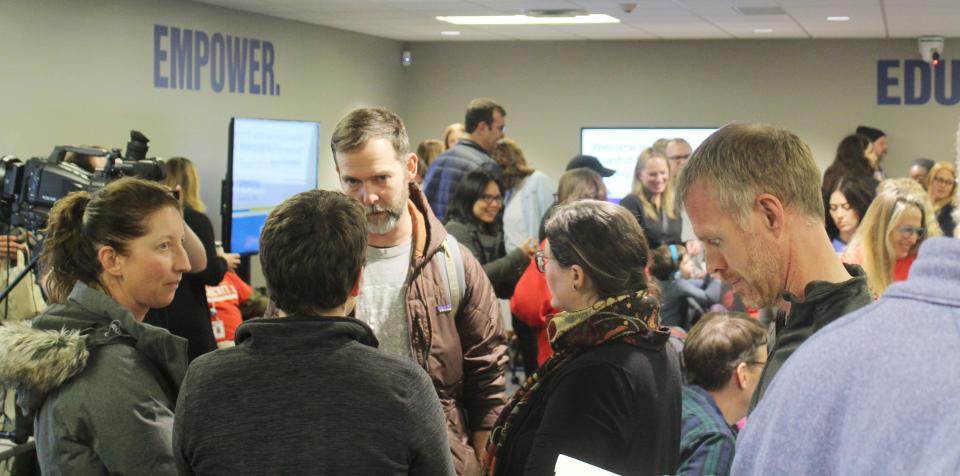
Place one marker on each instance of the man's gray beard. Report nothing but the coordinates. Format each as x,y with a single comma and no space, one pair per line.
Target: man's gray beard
393,212
383,226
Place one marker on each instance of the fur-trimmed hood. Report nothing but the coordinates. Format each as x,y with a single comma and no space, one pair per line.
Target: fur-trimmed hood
40,360
41,356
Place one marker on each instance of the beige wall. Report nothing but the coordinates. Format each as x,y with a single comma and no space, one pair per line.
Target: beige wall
820,89
81,72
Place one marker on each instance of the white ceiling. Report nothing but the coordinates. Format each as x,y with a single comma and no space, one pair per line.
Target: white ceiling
414,20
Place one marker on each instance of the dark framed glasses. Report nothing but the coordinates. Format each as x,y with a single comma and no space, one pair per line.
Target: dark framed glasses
491,199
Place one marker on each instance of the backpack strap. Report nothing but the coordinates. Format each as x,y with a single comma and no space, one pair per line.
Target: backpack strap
453,275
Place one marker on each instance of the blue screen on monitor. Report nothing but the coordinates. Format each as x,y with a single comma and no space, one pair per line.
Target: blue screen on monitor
270,161
618,149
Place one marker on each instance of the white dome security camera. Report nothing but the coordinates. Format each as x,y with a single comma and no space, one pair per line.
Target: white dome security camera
931,47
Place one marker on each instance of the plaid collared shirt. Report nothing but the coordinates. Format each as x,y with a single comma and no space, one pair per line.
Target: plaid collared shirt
707,443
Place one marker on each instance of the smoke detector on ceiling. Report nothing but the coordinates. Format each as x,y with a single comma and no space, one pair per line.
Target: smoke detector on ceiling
931,47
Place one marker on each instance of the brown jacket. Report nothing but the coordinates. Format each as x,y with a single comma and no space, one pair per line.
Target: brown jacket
465,354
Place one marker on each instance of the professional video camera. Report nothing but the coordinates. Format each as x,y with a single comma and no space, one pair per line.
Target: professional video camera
29,189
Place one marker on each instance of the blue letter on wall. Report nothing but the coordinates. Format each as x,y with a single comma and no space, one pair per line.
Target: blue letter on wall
181,58
217,68
941,85
911,68
884,81
159,56
201,55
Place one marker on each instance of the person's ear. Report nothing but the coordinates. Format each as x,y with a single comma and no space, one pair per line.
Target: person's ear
578,276
356,285
411,166
110,260
741,374
771,210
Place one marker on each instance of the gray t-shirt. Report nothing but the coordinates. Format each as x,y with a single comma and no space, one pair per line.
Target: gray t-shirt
381,303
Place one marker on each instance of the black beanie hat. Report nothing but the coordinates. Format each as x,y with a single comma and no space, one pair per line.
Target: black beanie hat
871,132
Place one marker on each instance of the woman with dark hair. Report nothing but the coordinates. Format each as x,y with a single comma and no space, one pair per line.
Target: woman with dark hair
530,303
101,384
188,316
855,158
610,395
473,218
845,206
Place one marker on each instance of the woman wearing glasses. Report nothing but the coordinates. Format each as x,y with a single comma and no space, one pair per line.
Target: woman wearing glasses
473,218
610,394
530,303
941,182
892,230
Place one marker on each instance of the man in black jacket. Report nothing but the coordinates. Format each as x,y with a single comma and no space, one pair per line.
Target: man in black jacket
753,195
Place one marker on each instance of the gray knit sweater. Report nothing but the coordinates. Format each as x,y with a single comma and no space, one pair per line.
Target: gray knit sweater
308,395
875,392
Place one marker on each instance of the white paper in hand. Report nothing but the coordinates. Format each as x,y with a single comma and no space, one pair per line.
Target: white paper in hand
567,466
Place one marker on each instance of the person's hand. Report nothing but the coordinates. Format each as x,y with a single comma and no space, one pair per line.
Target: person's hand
9,245
529,247
694,247
233,260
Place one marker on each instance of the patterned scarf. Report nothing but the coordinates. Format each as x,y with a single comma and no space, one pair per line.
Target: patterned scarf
627,318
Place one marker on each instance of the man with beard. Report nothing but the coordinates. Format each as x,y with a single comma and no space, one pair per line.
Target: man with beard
753,195
403,296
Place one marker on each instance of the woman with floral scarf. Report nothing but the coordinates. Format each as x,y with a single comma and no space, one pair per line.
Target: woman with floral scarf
610,394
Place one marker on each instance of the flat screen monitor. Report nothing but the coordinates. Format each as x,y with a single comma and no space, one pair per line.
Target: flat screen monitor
269,161
618,149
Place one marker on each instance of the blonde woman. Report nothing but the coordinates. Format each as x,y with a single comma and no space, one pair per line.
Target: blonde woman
892,230
942,185
652,201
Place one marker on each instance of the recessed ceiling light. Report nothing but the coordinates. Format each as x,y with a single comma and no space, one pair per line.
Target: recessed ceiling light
763,30
450,33
838,18
528,20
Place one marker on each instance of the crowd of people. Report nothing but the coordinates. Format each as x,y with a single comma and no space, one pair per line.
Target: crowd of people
737,313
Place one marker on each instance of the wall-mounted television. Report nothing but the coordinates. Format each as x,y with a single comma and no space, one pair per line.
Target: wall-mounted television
618,149
269,160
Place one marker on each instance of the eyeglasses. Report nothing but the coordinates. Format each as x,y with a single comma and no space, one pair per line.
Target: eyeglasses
491,199
842,206
755,362
943,181
541,259
907,230
679,158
